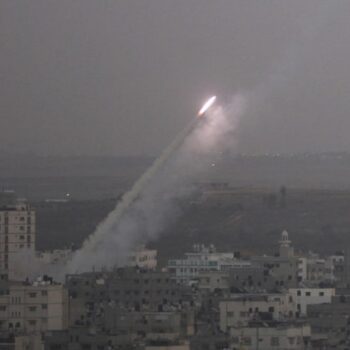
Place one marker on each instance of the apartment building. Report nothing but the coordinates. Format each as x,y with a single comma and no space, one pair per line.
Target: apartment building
17,238
29,308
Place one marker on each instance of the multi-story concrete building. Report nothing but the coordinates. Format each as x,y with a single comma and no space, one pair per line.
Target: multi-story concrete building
29,308
213,280
314,270
17,237
166,325
251,278
310,296
271,335
202,259
239,310
131,289
330,323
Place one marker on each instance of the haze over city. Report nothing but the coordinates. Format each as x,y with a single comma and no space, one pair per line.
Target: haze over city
90,77
174,175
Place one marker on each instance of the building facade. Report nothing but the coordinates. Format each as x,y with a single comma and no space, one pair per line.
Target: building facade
267,336
238,311
310,296
29,308
202,259
17,238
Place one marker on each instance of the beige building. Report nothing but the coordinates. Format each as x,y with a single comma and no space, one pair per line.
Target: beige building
24,308
17,235
143,258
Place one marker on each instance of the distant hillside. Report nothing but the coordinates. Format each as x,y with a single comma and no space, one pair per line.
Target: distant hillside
247,220
39,178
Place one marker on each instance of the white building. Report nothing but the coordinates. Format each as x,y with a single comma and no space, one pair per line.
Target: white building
143,258
17,235
314,269
202,259
310,296
41,306
238,311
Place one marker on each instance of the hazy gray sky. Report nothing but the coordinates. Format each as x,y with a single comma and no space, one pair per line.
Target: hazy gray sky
123,77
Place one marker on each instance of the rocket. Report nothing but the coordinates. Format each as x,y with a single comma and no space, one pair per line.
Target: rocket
206,106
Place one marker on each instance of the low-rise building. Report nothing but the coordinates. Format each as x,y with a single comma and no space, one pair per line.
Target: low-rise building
310,296
239,310
271,335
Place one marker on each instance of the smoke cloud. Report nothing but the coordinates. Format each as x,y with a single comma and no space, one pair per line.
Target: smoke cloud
145,211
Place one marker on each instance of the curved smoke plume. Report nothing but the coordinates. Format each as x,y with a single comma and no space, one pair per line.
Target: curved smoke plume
145,210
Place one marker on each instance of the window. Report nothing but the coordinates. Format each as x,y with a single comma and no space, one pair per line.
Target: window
44,292
32,295
308,294
321,294
32,322
2,308
291,340
44,306
247,341
275,341
298,292
32,308
230,314
235,340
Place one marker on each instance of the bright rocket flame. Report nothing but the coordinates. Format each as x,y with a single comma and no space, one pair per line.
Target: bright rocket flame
207,105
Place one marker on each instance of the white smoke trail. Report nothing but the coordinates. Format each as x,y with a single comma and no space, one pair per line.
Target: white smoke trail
145,210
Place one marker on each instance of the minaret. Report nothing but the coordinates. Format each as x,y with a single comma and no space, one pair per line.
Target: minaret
286,250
